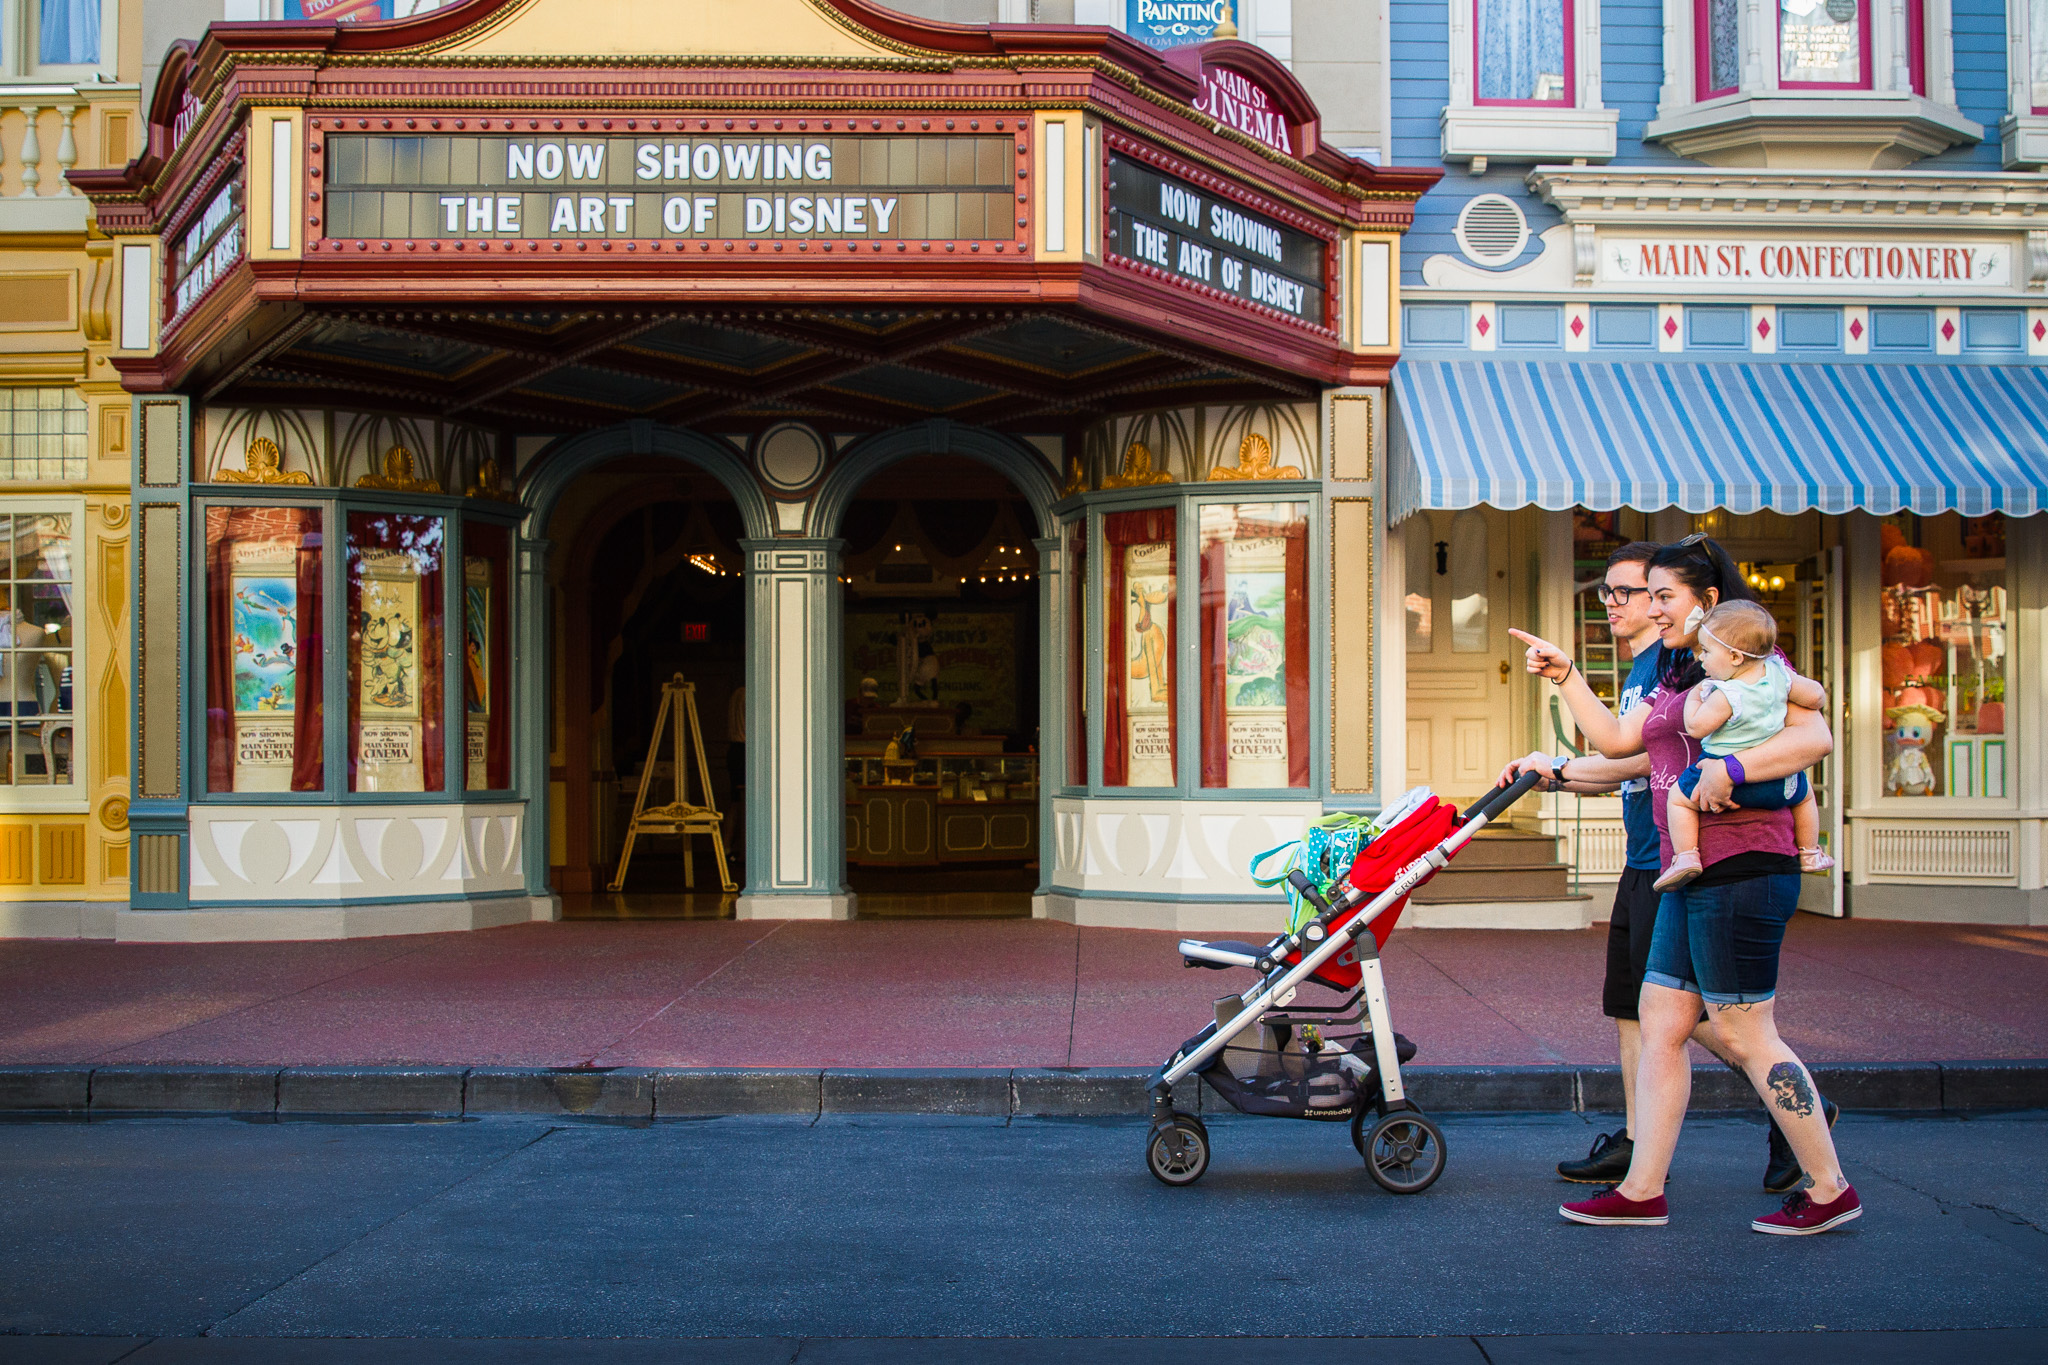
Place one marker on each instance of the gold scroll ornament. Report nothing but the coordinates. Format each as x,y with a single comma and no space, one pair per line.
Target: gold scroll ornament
398,475
1254,461
261,463
489,484
1137,471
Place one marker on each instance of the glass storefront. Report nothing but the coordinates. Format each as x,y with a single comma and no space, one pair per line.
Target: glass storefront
1947,654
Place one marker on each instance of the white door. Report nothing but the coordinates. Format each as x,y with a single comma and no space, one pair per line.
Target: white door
1819,656
1456,610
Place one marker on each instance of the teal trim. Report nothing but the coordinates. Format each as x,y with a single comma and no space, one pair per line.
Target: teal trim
1052,692
813,567
1018,461
161,814
561,464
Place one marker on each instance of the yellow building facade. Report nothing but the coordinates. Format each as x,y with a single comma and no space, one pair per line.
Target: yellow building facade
71,74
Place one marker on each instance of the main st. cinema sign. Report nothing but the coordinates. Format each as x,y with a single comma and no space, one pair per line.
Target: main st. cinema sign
848,186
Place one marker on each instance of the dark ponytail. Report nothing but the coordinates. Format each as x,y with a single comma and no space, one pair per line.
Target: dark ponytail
1701,564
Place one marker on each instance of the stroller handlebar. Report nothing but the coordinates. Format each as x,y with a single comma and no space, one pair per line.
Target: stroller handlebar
1500,798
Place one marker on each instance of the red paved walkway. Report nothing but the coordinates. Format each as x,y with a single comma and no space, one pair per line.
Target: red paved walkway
936,993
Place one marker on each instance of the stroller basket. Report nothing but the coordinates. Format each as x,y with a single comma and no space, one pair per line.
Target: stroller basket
1264,1055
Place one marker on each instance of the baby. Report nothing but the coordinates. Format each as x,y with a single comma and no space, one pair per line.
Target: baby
1740,705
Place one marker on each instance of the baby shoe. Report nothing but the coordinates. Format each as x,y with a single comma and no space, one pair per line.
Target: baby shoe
1684,867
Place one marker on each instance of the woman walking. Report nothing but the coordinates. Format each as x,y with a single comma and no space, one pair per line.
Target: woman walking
1717,938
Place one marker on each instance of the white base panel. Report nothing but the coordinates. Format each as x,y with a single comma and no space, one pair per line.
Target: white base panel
1569,913
1239,919
59,919
249,924
796,907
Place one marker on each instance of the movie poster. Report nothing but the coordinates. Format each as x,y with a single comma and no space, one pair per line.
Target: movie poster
388,675
1148,689
263,616
476,669
1255,661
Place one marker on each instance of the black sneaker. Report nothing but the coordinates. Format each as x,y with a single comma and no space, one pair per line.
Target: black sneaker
1606,1164
1783,1172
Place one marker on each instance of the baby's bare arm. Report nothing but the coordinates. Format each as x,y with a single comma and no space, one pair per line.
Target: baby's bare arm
1808,693
1706,712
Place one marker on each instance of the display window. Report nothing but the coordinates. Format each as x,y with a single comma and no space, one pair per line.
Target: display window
486,656
1254,644
1139,722
38,731
1947,657
1075,564
265,652
396,692
1823,43
1523,52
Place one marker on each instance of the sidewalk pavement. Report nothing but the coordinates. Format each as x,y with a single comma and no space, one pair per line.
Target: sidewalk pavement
980,994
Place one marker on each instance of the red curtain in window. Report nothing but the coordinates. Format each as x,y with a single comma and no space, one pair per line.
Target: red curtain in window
422,539
1215,643
1119,531
227,527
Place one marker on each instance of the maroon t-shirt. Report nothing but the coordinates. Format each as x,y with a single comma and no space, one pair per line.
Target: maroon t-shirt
1671,752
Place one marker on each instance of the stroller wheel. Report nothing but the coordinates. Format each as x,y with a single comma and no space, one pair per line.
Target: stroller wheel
1178,1154
1404,1152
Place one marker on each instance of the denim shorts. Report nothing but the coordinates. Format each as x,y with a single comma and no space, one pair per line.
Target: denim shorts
1721,942
1780,795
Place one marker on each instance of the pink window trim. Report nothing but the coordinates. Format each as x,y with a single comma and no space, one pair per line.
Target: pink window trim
1863,55
1916,44
1571,83
1703,56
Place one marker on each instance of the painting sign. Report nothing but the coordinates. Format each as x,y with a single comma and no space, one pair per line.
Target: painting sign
1255,661
263,618
476,669
388,674
1148,695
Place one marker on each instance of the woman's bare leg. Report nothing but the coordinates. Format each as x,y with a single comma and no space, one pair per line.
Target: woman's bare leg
1663,1086
1749,1032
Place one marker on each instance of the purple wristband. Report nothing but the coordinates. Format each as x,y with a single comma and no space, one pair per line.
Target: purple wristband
1736,777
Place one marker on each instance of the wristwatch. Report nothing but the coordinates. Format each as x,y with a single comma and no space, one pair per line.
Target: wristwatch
1557,772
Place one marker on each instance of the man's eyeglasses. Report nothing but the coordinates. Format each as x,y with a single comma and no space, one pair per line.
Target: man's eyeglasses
1616,597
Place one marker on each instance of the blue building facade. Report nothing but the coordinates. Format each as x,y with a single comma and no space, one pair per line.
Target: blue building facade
1769,269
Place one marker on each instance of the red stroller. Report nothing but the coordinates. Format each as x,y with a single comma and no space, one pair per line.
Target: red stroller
1266,1055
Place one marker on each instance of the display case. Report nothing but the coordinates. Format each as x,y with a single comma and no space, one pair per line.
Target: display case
938,808
1947,650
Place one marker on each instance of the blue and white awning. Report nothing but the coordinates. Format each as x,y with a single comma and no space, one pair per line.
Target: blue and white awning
1926,438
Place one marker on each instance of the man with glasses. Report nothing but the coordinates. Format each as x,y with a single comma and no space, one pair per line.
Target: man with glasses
1625,592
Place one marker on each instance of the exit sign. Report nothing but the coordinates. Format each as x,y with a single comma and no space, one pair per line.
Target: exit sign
696,632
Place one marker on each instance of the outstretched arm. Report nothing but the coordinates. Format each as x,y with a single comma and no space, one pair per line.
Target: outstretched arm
1614,736
1586,774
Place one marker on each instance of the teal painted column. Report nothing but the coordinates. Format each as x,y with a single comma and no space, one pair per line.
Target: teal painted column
531,699
796,807
1054,631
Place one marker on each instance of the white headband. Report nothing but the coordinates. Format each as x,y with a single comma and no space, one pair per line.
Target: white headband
1738,653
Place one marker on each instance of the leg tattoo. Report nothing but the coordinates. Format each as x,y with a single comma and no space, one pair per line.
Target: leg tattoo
1791,1089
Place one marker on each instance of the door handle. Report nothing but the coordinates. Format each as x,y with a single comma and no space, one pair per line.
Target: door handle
1503,672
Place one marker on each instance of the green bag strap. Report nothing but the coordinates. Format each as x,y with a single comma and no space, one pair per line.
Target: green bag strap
1277,879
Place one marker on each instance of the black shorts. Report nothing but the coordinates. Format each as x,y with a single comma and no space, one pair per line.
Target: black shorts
1628,941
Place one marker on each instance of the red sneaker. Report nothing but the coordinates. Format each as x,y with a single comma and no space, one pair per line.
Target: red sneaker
1801,1217
1612,1208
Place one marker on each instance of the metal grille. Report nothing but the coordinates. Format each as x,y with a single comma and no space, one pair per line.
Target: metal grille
1492,230
1916,851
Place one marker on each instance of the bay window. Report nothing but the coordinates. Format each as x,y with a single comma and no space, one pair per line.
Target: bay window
1718,36
1823,43
38,650
1523,52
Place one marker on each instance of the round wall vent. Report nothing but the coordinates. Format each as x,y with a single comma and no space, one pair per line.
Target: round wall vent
1492,230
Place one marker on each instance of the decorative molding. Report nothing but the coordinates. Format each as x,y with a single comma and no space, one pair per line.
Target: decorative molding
1077,478
398,475
1872,130
1722,198
1137,471
1488,133
261,465
489,483
1254,461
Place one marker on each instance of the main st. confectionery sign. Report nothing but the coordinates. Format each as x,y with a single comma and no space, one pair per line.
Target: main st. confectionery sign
850,186
1846,265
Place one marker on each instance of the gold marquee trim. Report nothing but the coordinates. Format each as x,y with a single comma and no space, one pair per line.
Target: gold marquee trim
262,463
1254,461
398,475
1137,471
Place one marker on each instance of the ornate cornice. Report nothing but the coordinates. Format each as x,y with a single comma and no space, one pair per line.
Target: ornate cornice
1989,201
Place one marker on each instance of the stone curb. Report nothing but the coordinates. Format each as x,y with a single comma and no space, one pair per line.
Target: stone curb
650,1093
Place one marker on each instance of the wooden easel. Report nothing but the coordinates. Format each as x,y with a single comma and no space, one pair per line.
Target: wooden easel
680,816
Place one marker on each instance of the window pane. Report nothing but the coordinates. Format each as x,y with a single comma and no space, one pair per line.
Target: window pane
35,649
1723,69
42,434
1521,50
486,657
1947,651
2037,29
1820,41
70,32
1138,588
395,693
1470,571
264,650
1254,591
1420,593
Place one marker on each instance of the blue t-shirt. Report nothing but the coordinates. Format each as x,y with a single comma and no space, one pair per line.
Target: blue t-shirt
1635,793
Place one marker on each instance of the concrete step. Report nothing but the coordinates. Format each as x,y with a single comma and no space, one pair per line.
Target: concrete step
1507,847
1499,881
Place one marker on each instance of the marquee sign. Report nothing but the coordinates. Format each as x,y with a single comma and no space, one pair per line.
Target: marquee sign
1235,101
851,186
1859,265
1197,236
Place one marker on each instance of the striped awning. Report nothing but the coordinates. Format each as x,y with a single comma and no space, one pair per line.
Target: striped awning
1783,437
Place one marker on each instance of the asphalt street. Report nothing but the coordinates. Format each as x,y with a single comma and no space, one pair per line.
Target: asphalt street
880,1238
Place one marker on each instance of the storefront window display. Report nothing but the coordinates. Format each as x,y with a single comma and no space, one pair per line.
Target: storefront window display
1823,43
265,652
395,619
1946,658
1140,728
486,657
1254,637
37,731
